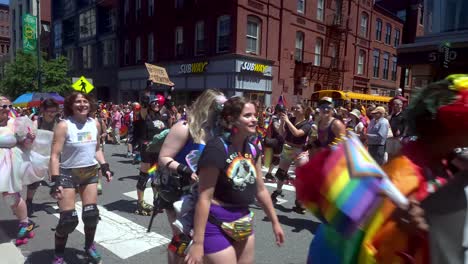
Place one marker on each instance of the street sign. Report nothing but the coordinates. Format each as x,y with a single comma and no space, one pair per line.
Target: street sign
83,85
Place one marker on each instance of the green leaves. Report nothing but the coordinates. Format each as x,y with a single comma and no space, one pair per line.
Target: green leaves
21,75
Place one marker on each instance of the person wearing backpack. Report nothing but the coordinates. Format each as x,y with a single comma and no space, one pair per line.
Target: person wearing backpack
230,179
186,141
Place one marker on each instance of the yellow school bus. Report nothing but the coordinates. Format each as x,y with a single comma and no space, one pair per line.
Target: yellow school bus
341,97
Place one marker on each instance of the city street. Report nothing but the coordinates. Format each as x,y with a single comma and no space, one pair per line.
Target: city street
121,236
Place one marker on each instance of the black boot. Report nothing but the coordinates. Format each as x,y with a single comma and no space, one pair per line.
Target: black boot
298,208
274,196
29,206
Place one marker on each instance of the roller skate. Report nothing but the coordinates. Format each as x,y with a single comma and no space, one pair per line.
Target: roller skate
58,260
275,194
25,232
144,209
298,208
270,178
136,159
92,255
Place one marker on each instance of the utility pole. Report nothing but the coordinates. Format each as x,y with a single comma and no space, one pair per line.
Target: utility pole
38,47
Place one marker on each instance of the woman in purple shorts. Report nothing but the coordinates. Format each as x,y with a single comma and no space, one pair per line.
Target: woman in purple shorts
230,179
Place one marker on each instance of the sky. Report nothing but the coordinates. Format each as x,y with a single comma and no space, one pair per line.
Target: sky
4,1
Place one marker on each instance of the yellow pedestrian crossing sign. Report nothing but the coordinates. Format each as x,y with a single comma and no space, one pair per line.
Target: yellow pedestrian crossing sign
83,85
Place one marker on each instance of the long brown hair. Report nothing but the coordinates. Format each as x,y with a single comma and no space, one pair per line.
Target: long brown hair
70,100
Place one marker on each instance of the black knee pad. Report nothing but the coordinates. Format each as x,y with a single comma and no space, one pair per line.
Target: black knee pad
281,175
90,215
34,186
142,180
67,222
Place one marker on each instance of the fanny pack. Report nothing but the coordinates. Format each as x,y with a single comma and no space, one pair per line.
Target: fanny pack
86,172
238,230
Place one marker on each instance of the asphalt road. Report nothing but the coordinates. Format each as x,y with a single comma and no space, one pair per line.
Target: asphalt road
122,236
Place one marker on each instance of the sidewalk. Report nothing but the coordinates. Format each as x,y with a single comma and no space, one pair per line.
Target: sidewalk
11,254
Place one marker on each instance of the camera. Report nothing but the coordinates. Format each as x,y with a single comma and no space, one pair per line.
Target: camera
280,109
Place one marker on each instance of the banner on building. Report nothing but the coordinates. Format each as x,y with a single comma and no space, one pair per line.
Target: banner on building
29,33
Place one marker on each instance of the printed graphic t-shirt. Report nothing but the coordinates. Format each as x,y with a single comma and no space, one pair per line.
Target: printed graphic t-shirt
237,181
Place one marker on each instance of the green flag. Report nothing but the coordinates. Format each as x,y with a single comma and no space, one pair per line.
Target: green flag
29,33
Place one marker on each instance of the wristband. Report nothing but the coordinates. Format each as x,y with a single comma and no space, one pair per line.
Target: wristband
105,168
57,182
184,170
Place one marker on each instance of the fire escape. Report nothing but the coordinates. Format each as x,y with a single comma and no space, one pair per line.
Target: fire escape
329,70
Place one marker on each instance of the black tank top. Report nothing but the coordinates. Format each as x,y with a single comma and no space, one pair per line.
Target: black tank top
330,135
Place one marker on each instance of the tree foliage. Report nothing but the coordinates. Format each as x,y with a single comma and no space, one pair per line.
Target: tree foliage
21,75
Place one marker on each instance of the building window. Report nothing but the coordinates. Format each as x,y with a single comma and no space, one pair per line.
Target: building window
150,8
138,50
361,62
151,47
253,35
108,52
299,46
200,38
364,21
179,3
394,68
71,57
320,5
58,35
385,66
406,76
318,52
388,34
301,6
88,24
126,11
397,38
334,60
127,52
137,10
87,57
179,41
378,30
223,41
376,63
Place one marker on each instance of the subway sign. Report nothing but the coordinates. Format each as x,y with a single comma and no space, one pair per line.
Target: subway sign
255,68
198,67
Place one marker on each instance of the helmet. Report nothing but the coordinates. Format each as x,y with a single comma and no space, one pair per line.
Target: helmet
160,99
136,106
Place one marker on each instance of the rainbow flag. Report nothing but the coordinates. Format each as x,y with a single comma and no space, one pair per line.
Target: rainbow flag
12,114
152,171
341,185
282,100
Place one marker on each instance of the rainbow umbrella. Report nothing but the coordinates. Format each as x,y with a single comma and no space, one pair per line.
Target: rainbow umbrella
35,99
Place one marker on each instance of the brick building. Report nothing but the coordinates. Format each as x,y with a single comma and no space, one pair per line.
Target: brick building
86,33
261,49
4,30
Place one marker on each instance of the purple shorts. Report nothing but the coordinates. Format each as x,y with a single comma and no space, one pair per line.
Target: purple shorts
215,239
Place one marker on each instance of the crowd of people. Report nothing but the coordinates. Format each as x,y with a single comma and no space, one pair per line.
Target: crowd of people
209,158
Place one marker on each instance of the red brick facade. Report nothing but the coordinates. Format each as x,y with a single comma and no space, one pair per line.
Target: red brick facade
4,30
279,21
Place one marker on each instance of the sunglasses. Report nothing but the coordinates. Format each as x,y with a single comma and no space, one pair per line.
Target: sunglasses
7,106
325,107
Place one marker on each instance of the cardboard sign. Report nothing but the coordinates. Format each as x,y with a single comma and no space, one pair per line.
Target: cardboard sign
158,75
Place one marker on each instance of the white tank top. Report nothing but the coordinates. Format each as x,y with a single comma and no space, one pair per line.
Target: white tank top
79,149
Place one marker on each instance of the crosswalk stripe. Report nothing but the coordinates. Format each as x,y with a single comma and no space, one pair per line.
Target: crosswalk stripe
121,236
148,197
285,187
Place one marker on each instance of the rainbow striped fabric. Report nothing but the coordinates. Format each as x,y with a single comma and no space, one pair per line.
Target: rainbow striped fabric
152,171
341,185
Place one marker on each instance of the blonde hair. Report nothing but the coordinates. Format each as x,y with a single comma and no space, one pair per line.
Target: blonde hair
202,113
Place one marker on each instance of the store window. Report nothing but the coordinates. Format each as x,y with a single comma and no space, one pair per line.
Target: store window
254,26
318,52
223,40
298,56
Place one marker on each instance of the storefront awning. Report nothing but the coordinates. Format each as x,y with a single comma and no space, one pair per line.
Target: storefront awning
158,75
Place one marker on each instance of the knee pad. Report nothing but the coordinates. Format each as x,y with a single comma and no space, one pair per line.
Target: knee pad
142,180
67,222
90,215
34,186
281,175
12,199
276,160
